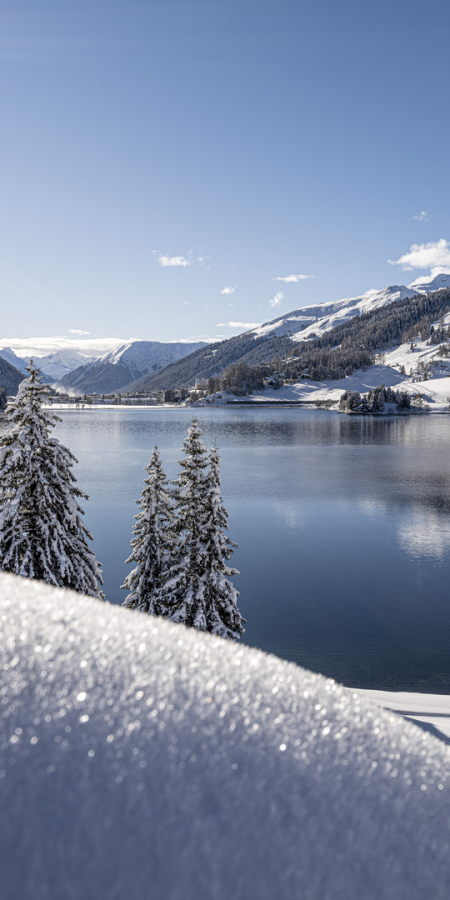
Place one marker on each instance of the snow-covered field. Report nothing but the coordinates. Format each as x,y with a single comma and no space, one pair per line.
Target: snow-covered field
435,391
430,711
141,759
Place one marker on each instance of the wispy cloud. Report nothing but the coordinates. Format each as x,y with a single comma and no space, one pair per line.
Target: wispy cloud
171,261
228,290
291,279
424,256
277,300
204,260
78,331
43,346
244,325
422,217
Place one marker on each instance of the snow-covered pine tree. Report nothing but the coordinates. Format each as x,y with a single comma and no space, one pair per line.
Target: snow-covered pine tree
198,592
42,534
221,612
184,592
153,543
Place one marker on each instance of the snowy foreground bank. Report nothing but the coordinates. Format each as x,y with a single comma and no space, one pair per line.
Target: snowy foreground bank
142,760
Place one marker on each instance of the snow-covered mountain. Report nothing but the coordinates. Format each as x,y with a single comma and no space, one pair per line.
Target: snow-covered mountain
272,339
62,362
126,364
10,376
434,282
312,321
54,366
14,360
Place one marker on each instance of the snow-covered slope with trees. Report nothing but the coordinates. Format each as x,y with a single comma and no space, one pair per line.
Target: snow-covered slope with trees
10,376
139,758
313,321
124,365
275,339
14,360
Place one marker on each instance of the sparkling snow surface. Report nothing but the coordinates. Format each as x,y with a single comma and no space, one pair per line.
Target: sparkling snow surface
142,760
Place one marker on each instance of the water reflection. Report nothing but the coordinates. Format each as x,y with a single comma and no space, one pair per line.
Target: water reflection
372,507
425,533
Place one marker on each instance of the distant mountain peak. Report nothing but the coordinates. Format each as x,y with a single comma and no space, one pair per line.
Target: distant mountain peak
61,362
312,321
433,282
125,364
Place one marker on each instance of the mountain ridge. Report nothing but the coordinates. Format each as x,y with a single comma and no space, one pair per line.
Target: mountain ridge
279,337
10,377
53,366
120,367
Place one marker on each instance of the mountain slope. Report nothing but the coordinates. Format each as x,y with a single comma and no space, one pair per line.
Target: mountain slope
10,377
214,359
14,360
118,368
276,338
62,362
53,366
312,321
353,344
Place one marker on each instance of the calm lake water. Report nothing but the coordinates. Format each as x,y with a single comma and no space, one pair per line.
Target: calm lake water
343,527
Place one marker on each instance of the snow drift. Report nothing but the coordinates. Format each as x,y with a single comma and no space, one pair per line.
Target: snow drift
140,759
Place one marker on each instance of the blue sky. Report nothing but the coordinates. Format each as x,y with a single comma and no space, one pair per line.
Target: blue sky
157,153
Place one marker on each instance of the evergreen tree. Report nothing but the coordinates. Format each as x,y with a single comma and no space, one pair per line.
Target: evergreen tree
42,534
153,543
185,589
364,404
222,616
198,592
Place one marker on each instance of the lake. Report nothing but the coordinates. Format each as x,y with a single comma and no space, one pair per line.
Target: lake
342,525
